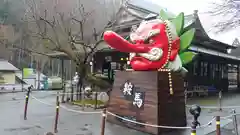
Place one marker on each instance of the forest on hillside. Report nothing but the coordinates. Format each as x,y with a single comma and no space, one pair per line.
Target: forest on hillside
29,29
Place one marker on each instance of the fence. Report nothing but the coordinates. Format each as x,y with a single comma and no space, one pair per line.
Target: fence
6,88
232,128
72,93
228,129
194,128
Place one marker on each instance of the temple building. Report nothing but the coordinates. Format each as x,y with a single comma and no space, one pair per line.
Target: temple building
215,68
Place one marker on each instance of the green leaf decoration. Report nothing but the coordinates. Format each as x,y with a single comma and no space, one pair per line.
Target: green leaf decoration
163,15
127,38
187,57
186,39
179,23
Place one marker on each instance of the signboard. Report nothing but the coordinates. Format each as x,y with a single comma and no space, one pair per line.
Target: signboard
128,90
138,100
28,73
134,95
113,65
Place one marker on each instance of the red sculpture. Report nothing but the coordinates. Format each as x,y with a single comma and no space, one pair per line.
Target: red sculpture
154,44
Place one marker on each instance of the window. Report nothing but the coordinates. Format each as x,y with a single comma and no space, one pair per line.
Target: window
195,67
202,68
213,71
108,58
126,29
134,28
205,68
216,67
222,71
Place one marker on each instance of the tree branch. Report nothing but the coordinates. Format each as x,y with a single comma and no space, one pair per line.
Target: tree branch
229,11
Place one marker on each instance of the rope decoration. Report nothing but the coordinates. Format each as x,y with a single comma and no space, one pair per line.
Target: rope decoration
128,120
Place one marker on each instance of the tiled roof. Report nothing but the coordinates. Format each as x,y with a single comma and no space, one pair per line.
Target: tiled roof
6,66
188,20
144,9
148,5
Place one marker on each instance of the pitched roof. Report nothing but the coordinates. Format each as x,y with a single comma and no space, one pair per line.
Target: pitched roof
6,66
148,6
136,11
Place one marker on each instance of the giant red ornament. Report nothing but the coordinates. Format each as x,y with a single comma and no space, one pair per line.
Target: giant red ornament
151,48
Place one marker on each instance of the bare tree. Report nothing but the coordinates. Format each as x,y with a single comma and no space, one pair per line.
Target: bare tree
12,33
76,31
228,11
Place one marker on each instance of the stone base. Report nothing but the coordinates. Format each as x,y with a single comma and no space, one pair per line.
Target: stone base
158,108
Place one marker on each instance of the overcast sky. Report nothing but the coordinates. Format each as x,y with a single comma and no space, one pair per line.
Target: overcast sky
187,6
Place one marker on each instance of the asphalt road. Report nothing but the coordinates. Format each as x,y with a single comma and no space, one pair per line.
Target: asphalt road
41,118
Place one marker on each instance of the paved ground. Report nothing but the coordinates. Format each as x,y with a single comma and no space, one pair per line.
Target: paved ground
41,117
229,99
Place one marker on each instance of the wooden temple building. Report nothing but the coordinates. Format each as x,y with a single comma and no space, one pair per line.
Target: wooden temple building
215,68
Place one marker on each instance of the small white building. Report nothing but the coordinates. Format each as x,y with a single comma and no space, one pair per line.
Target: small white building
7,72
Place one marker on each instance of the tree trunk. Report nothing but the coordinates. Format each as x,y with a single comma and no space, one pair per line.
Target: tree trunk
72,91
82,75
79,88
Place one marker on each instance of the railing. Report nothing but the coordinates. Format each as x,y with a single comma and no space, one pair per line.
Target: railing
13,87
